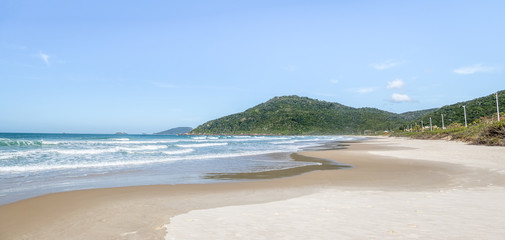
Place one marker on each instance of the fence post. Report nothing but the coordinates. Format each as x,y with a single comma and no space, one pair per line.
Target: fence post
464,110
497,107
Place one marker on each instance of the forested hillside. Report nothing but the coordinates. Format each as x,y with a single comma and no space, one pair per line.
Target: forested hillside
295,115
475,109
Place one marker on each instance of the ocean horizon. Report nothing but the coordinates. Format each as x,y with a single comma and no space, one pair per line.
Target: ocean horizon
33,164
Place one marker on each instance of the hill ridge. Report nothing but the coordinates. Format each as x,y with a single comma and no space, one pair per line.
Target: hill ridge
295,115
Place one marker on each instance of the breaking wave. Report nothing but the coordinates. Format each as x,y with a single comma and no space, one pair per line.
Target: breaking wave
6,142
200,145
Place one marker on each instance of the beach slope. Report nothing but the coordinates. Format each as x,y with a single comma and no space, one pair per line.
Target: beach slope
397,189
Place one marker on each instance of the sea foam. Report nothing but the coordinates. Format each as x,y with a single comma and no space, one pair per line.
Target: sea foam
200,145
44,163
6,142
183,151
75,165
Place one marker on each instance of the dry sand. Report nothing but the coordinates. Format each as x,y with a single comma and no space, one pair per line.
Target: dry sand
397,189
467,204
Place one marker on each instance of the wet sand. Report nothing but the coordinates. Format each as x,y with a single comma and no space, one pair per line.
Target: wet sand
386,174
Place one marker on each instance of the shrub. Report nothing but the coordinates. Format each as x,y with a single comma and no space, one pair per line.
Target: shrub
492,134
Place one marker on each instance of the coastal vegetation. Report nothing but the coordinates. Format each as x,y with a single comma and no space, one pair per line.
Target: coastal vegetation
454,113
483,126
294,115
484,131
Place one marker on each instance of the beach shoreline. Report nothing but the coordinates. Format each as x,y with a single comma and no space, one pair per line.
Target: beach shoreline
36,164
381,165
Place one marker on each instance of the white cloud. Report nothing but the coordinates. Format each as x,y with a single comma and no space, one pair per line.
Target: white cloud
398,97
474,69
397,83
44,58
364,90
334,81
385,65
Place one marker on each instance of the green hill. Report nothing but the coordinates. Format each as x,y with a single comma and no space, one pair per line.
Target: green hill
414,115
483,125
294,115
475,109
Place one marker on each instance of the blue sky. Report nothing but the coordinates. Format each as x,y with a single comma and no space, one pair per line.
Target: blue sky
146,66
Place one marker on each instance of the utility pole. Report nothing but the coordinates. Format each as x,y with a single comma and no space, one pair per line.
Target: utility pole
464,110
443,127
422,126
497,107
431,126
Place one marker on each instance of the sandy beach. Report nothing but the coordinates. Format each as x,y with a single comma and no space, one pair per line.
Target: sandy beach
397,189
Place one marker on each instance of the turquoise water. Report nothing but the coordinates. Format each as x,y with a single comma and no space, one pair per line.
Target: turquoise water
35,164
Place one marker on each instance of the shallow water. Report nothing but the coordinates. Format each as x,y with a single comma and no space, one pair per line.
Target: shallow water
36,164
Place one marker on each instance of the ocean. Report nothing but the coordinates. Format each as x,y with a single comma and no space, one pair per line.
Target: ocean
35,164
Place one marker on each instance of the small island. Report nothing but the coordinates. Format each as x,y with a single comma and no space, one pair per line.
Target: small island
175,131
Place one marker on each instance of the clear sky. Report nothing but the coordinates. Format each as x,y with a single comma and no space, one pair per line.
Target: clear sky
147,66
